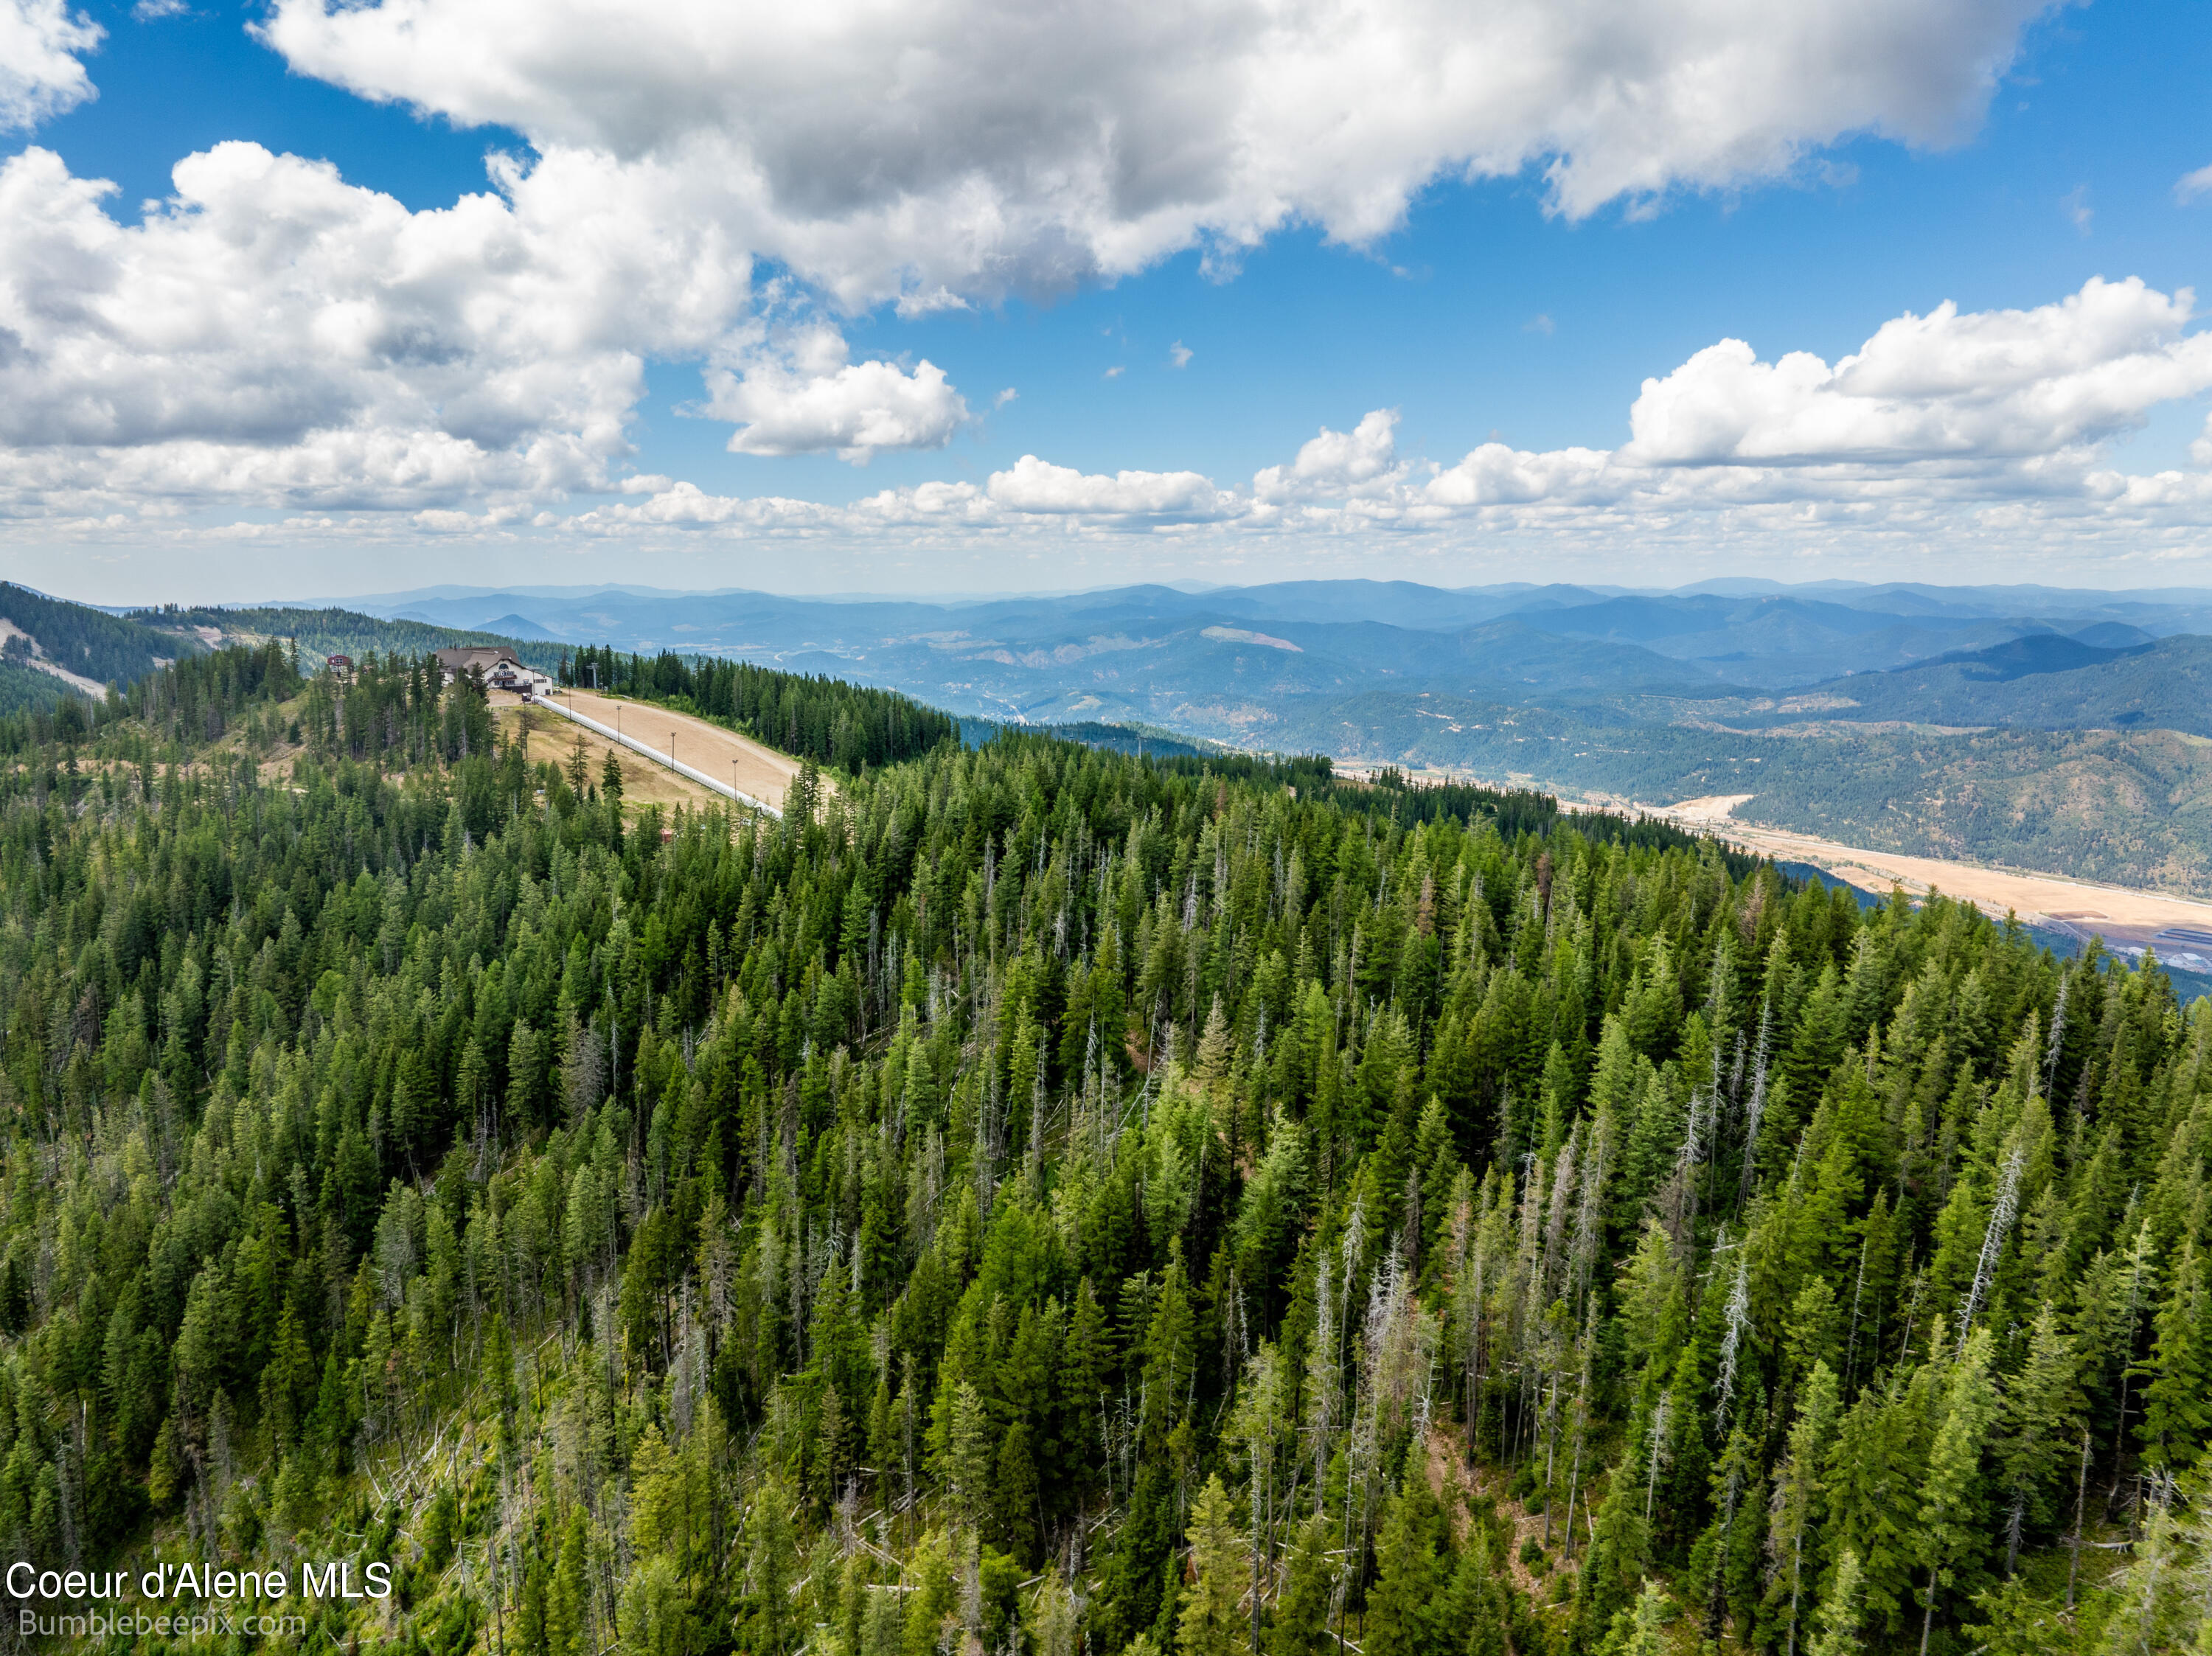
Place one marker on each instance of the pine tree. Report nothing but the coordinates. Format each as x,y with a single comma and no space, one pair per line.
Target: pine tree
530,1619
1841,1610
1212,1061
1014,1494
1640,1630
969,1455
2176,1398
654,1616
1950,1507
1873,1489
831,1449
771,1565
1085,1362
1403,1605
1130,1585
2020,1623
568,1599
1209,1625
1300,1626
1170,1356
1480,1608
1797,1493
2042,1418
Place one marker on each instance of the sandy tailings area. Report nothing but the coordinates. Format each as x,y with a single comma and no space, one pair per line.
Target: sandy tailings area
2124,917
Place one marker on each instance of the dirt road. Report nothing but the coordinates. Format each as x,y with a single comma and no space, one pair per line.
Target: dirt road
2120,915
724,754
551,736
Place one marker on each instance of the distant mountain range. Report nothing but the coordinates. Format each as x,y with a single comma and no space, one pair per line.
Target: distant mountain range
1215,659
2043,726
2044,682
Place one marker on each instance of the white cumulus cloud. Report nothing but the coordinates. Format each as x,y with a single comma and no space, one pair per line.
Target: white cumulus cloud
1363,460
41,43
274,333
1983,385
1494,474
971,148
807,397
273,336
1031,485
1983,431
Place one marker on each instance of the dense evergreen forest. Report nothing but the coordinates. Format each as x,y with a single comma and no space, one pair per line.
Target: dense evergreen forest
26,688
1033,1203
1154,740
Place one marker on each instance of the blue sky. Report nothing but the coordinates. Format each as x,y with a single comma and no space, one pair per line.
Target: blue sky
1498,309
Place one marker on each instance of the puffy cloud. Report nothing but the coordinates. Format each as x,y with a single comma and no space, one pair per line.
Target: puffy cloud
913,153
1361,461
1935,419
1495,474
686,506
274,333
1974,429
1989,385
39,72
808,397
1031,485
683,505
2190,186
1031,492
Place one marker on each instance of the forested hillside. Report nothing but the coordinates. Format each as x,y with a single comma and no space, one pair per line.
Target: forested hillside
2130,807
24,688
2044,683
332,631
1030,1203
89,642
1152,739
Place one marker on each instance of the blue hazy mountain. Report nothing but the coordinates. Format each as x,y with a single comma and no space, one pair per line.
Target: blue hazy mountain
1159,652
